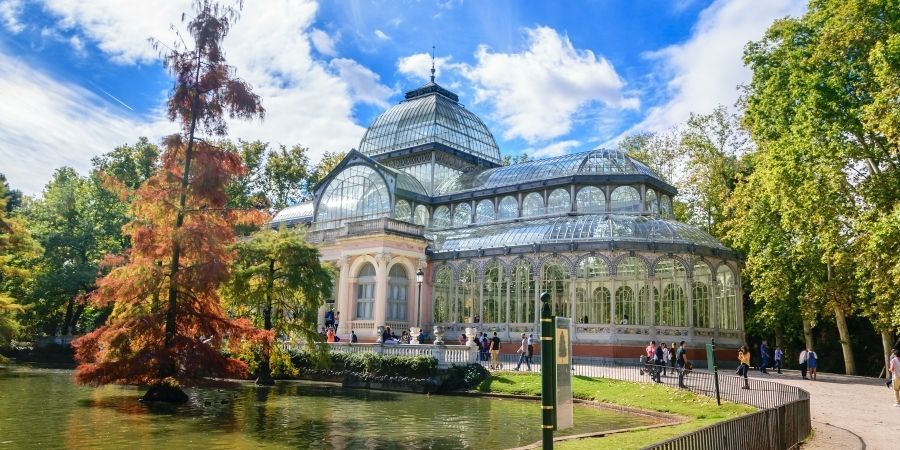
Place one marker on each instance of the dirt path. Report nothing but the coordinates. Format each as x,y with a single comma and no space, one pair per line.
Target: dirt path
848,412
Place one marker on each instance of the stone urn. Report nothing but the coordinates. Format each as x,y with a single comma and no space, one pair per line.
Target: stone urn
379,338
414,331
470,337
438,335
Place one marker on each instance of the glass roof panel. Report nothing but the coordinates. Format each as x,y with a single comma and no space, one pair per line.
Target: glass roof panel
302,212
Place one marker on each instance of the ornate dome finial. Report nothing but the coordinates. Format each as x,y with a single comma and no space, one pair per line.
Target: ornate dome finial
432,63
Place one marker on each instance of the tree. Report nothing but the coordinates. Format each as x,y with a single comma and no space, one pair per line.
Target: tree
275,178
130,165
278,279
167,325
16,246
509,160
328,162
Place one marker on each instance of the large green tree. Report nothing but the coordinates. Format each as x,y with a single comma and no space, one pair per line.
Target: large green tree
17,249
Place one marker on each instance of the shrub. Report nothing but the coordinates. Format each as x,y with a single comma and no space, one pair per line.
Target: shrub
464,377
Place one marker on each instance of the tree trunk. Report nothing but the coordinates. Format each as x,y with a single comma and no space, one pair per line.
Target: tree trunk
844,332
807,333
779,335
887,340
67,321
265,368
79,310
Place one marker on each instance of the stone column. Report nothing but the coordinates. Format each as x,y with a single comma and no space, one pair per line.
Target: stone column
343,297
690,307
573,310
651,288
381,288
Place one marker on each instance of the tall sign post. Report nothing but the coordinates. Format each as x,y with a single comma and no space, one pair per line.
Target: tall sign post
712,367
563,346
548,373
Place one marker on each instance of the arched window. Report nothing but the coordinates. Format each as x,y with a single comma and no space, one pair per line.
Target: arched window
421,215
632,274
665,206
533,205
555,281
592,295
402,211
466,294
625,199
365,292
590,199
726,306
398,288
443,292
441,217
509,208
701,296
559,202
671,308
493,292
521,300
356,192
462,214
651,202
484,212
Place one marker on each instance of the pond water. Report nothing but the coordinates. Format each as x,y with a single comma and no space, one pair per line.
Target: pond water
43,408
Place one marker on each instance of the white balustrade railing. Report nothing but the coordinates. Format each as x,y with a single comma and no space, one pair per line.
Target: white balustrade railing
446,355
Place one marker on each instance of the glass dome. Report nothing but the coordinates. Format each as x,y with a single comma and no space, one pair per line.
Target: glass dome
430,114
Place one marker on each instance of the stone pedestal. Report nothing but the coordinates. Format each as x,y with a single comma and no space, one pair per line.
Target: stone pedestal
414,331
470,337
438,335
379,339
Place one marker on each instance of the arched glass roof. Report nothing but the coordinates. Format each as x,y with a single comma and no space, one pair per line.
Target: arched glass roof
590,227
302,212
594,162
430,114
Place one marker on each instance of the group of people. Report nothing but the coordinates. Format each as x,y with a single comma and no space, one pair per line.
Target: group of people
808,360
388,337
660,359
486,347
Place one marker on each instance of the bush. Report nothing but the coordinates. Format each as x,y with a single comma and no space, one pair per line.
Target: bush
464,377
370,363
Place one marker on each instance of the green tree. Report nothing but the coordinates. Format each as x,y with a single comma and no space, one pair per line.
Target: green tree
279,281
130,165
275,178
329,161
509,160
17,247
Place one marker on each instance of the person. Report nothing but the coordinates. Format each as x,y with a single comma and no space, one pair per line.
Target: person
649,355
744,365
894,369
485,346
764,356
523,354
665,358
657,362
812,362
680,358
495,352
530,349
421,336
779,355
479,344
386,335
462,339
803,360
353,338
672,350
329,319
337,319
624,320
585,319
329,335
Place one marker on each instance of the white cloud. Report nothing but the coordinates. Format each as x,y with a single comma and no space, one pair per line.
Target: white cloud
322,42
10,10
381,35
364,84
536,94
418,66
77,44
705,71
554,149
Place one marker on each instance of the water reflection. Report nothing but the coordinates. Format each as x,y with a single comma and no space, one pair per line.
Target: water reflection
40,408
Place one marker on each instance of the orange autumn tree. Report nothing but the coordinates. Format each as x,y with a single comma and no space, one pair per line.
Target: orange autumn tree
167,327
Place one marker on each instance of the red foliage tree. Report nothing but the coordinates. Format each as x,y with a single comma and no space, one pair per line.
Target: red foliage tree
167,325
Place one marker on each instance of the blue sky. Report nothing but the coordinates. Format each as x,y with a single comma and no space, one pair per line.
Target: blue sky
78,78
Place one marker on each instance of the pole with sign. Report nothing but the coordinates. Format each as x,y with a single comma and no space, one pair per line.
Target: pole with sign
548,373
563,346
712,367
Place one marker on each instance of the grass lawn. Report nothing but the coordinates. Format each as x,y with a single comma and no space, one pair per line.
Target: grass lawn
701,410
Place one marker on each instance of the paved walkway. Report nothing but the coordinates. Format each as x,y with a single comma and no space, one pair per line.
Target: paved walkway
848,412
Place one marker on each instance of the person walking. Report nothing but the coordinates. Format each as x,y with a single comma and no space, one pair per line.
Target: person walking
672,351
665,357
679,363
803,362
523,354
530,349
657,362
495,352
779,355
894,369
744,365
812,361
764,356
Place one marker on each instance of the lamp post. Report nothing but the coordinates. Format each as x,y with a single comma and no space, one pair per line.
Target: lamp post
420,276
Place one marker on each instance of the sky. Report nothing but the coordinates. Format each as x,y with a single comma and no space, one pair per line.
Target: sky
80,77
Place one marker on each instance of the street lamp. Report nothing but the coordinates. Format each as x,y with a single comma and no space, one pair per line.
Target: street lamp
420,276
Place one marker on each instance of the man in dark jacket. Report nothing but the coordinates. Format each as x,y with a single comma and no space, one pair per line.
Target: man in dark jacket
658,363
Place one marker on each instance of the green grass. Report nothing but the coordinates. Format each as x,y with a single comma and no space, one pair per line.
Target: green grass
700,410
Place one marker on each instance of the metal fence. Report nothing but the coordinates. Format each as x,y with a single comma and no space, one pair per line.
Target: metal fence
783,421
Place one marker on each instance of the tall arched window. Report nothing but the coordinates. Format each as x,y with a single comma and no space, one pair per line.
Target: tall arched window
466,294
484,212
493,292
593,286
555,281
665,206
701,296
462,214
443,292
671,279
632,273
590,199
521,300
398,288
651,202
559,202
533,205
509,208
441,217
625,199
365,292
402,211
356,192
421,215
726,301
